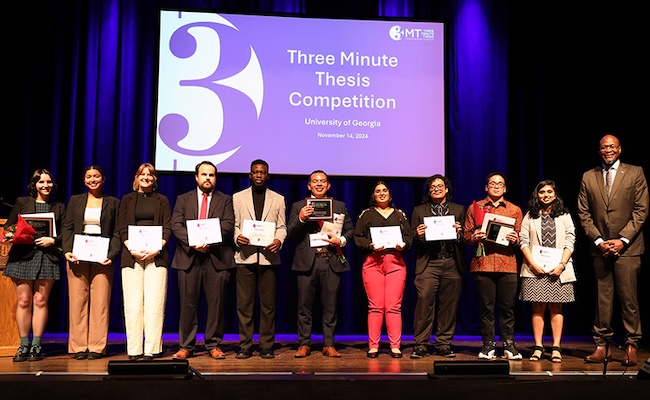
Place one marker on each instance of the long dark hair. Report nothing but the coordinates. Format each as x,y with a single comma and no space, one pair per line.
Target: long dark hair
373,203
36,176
557,206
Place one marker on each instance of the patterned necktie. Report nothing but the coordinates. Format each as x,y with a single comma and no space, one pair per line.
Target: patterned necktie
204,207
609,179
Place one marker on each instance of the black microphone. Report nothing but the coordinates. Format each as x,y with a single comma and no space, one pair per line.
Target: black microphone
2,200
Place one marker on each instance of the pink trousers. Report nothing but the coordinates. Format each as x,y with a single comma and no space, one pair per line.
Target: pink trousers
384,277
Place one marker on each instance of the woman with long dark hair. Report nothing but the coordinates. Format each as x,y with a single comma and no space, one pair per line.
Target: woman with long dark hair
34,267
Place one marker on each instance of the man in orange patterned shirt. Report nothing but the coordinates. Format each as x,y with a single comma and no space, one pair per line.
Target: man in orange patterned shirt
494,267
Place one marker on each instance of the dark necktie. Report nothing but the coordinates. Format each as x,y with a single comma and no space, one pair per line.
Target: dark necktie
204,207
609,180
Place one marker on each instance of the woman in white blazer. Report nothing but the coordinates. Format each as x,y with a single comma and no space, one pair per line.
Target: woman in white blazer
547,242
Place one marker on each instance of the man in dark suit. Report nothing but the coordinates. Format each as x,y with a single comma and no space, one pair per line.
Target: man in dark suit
316,266
256,264
207,265
613,206
438,270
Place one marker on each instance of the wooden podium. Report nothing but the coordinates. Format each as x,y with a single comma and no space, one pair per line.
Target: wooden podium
9,339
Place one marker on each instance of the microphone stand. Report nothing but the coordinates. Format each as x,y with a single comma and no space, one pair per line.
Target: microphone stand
606,359
609,342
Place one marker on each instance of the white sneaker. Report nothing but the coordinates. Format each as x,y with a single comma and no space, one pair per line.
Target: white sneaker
510,351
488,351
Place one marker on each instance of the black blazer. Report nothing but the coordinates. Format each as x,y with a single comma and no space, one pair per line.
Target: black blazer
304,257
73,223
422,247
27,205
162,217
186,208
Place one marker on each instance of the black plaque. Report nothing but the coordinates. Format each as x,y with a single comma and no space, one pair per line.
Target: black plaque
493,232
323,208
43,226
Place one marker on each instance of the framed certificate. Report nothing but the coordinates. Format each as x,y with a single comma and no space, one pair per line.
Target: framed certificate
323,208
43,224
496,232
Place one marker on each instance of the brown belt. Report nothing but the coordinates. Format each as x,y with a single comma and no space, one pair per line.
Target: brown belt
322,254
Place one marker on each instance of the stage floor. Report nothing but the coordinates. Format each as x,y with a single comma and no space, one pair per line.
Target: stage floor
353,376
352,364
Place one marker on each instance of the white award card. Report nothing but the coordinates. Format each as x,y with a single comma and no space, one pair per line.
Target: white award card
203,231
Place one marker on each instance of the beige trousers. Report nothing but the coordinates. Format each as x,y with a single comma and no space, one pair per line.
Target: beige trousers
89,296
145,291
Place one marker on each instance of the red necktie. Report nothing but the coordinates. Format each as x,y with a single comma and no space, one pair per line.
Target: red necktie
204,207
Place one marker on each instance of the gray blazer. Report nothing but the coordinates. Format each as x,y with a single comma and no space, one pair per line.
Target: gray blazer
565,238
275,210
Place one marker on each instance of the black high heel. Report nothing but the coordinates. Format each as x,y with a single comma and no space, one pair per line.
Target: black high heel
556,355
535,357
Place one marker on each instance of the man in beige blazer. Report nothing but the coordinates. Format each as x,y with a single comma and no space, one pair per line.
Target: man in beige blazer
612,206
256,263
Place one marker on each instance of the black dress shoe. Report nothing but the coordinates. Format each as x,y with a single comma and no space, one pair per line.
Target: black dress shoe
397,354
135,358
94,356
446,352
22,354
419,353
372,354
81,355
267,353
148,357
35,353
244,354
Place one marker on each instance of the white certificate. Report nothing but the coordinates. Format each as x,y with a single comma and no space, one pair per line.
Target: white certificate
332,228
260,233
203,231
90,248
316,240
440,228
497,218
386,236
145,238
546,257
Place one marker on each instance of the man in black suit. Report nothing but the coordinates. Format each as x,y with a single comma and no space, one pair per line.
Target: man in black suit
438,270
316,266
207,265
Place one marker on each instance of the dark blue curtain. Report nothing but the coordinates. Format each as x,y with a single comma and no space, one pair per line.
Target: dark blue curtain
531,88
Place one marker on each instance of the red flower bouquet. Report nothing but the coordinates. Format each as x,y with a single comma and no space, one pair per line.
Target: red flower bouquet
479,216
19,233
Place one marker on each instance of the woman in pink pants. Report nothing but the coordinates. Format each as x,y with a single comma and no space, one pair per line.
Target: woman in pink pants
382,231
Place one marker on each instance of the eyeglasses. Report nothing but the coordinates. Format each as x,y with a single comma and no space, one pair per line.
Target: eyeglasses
496,184
434,187
609,147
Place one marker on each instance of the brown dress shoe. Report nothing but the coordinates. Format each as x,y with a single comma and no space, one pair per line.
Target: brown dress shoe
217,354
630,356
330,351
598,355
303,351
182,354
